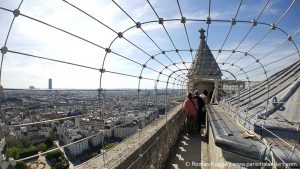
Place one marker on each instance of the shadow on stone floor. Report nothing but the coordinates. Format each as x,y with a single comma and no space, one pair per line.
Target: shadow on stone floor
187,152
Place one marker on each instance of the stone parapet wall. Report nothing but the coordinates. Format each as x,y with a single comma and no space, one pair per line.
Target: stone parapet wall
216,154
148,148
219,158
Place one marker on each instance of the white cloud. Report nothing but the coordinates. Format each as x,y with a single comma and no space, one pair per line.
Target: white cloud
144,11
203,14
35,38
260,51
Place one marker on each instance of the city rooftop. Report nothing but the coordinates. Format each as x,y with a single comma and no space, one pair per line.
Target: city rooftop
100,84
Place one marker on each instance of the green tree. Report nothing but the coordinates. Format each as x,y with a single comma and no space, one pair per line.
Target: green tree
13,152
109,146
15,143
53,136
61,165
29,151
54,154
49,142
51,106
20,165
60,161
42,147
25,144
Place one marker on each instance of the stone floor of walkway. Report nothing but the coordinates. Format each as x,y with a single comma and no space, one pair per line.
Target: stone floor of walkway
188,152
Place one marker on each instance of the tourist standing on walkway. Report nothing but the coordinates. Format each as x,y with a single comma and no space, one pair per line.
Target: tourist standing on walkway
190,109
200,104
206,100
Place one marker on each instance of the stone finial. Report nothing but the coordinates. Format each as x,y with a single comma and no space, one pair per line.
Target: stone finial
202,36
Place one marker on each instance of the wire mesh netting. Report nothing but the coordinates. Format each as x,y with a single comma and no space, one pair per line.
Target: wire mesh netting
117,68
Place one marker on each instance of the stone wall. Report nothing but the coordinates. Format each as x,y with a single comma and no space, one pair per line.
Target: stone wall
149,148
154,151
219,158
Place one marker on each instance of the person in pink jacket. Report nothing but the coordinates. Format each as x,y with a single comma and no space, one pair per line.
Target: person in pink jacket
190,109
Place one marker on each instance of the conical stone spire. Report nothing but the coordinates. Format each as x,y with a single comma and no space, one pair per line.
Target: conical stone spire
204,66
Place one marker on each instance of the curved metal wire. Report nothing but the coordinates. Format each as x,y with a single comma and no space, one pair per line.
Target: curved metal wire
180,78
272,26
7,36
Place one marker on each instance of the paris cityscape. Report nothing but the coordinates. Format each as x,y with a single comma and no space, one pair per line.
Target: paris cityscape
103,117
149,84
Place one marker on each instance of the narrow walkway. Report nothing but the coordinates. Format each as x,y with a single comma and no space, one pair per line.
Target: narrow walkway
188,152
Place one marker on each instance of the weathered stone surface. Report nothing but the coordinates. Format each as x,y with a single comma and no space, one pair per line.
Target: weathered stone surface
146,149
204,66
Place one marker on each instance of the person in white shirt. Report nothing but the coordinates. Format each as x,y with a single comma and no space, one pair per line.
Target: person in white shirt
206,101
204,96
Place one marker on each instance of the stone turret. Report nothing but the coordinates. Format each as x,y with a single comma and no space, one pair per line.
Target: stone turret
204,66
204,73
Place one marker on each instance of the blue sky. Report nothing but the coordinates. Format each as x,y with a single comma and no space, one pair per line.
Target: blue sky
31,37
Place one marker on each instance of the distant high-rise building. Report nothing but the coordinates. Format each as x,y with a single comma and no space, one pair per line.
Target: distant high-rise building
50,84
31,87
